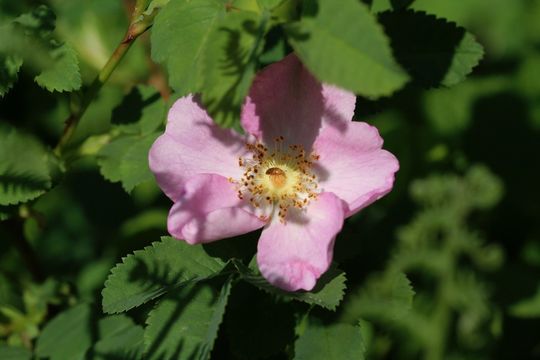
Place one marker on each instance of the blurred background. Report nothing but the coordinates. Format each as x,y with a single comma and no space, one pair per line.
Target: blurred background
463,221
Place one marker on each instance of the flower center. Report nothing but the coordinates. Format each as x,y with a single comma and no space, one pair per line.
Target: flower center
277,179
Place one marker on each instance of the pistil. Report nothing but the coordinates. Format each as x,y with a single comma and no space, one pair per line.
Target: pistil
277,179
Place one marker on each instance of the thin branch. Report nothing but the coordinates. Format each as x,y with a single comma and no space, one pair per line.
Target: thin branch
139,24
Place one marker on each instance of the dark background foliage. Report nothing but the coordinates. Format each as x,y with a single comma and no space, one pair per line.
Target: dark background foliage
447,266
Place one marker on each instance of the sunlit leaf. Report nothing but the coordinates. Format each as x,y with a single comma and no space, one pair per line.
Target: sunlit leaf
31,37
9,69
67,336
189,23
14,353
64,74
342,44
384,5
24,167
125,159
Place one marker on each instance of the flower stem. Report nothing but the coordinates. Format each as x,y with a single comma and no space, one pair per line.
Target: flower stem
139,24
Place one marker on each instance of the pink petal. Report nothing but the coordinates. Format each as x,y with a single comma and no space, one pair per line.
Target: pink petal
192,144
286,100
210,210
294,255
353,166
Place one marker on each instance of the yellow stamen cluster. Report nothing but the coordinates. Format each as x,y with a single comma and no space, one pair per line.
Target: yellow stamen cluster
278,179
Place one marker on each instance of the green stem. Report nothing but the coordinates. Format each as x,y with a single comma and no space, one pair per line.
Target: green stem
140,6
137,27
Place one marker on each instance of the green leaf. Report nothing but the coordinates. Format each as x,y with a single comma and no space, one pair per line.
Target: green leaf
528,308
155,4
385,297
450,111
328,292
142,111
269,4
125,159
230,61
40,22
433,50
150,273
384,5
185,324
64,75
479,188
24,167
67,336
179,36
342,44
120,338
496,22
134,166
9,69
14,353
31,36
330,342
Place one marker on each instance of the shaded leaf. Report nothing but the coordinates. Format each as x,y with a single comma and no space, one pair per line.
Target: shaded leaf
230,61
432,50
141,111
328,292
184,324
342,44
120,338
527,308
152,272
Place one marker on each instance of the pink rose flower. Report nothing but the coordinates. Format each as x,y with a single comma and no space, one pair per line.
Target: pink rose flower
302,168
